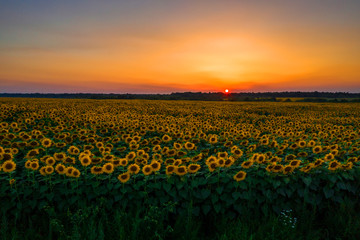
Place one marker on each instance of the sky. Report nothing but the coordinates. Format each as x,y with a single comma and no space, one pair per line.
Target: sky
144,46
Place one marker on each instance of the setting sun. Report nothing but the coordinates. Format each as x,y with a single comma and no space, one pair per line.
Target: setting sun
226,90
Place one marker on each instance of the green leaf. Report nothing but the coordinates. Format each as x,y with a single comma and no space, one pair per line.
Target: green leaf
183,193
166,187
214,198
246,195
307,181
196,211
236,195
276,183
287,180
341,185
328,192
50,196
205,208
220,189
243,185
205,193
217,207
194,183
43,188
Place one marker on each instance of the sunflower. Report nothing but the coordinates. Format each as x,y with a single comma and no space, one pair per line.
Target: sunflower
270,167
302,144
288,169
311,143
277,168
189,146
60,168
133,169
69,160
247,164
156,148
169,161
275,159
237,153
333,165
59,156
220,162
329,157
181,171
212,166
317,149
239,176
9,166
147,170
177,146
295,163
75,173
318,162
230,161
12,181
290,157
50,161
28,164
68,171
197,157
73,150
178,162
307,168
108,168
166,138
96,170
46,142
96,160
42,171
264,141
210,160
99,144
170,169
85,160
49,170
32,153
34,165
130,156
261,158
222,154
155,165
347,166
124,177
60,145
193,168
213,139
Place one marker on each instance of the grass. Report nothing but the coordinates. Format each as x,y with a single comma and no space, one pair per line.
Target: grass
160,223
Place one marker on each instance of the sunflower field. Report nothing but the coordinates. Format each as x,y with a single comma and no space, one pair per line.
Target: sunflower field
209,158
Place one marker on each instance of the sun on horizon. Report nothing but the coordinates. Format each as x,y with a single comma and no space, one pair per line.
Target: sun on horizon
179,46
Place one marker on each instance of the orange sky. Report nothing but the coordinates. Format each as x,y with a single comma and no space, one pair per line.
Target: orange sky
165,47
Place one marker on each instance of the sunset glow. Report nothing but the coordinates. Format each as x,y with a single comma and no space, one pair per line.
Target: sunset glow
176,46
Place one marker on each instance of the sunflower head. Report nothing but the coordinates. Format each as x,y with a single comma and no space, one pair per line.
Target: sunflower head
108,168
170,169
147,170
193,168
181,171
9,166
240,176
133,169
124,177
60,168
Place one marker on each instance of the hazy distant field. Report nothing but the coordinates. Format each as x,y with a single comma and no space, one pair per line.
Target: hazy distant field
221,157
